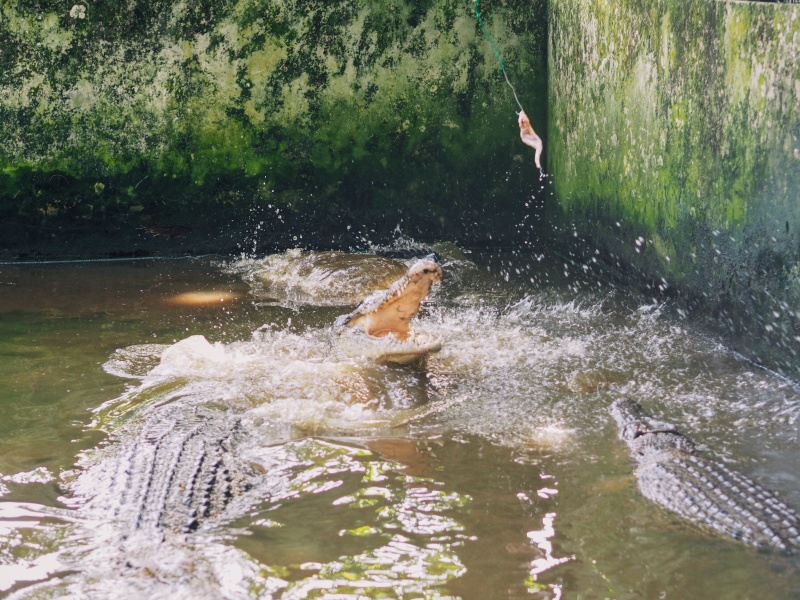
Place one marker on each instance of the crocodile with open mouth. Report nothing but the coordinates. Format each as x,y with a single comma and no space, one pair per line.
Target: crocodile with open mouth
705,492
177,470
380,327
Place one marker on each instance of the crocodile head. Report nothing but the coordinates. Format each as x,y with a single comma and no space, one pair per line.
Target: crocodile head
380,327
644,434
633,421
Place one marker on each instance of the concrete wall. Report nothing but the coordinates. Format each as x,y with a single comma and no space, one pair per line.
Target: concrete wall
331,112
674,145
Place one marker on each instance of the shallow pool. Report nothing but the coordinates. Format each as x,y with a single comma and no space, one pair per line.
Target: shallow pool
491,471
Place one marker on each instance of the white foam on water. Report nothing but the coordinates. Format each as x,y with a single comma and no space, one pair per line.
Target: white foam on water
283,377
508,370
312,278
134,362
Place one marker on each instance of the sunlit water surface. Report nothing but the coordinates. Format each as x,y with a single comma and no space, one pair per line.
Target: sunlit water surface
492,471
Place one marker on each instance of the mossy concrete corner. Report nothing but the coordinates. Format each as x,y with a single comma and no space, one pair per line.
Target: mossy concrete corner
674,143
306,116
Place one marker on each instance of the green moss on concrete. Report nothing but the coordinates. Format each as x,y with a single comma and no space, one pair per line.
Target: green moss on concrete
677,124
181,109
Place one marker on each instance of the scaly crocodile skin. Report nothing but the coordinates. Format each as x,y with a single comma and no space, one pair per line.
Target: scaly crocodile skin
671,473
176,474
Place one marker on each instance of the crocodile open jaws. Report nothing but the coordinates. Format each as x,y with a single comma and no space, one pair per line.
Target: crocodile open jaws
705,492
380,326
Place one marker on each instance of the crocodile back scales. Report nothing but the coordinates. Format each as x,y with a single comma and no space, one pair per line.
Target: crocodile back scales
705,492
175,474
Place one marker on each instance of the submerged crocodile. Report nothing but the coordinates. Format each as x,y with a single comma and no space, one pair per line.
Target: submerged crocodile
380,327
179,472
705,492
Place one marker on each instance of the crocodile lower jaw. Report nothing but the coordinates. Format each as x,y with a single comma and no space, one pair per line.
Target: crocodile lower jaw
388,348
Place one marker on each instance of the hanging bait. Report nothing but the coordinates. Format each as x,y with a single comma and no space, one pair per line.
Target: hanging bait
526,132
529,137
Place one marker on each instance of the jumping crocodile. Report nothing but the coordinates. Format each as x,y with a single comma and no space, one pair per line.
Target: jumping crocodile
705,492
175,468
380,327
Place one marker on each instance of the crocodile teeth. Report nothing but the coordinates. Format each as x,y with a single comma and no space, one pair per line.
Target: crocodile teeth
353,330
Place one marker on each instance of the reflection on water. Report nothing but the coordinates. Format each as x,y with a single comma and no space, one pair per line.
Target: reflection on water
203,297
492,470
27,534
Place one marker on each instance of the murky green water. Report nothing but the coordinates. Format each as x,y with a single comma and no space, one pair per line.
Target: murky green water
493,471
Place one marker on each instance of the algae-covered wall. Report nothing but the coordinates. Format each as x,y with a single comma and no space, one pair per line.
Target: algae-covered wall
298,116
674,143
